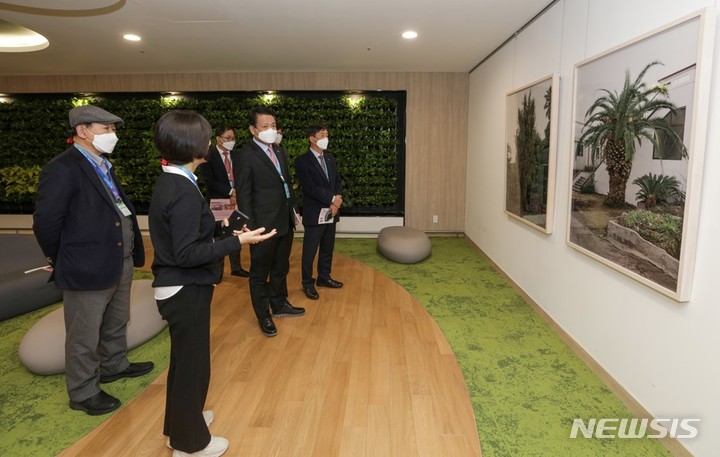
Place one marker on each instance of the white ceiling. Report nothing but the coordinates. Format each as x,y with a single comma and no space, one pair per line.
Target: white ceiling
191,36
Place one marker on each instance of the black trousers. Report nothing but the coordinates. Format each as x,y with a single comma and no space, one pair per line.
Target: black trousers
316,237
269,266
188,316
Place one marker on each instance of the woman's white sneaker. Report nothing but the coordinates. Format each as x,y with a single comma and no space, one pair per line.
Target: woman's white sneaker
217,447
209,417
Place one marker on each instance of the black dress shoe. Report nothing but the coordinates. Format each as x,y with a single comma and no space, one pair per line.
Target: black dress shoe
288,310
310,292
242,273
132,371
100,403
331,283
267,326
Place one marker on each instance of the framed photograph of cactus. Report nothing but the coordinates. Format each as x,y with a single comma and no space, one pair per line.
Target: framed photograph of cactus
639,123
531,148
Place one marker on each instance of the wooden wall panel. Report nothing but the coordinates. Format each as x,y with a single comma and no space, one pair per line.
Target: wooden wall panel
436,151
437,109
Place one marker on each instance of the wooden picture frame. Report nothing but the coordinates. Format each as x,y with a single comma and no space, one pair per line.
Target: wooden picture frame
531,150
664,172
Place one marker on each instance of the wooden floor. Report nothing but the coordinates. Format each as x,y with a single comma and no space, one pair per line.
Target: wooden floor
366,372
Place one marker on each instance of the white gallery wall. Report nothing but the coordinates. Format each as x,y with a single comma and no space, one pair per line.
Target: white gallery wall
666,354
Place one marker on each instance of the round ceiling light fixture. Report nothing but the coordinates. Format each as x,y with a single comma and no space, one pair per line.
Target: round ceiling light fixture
131,37
74,8
409,35
16,38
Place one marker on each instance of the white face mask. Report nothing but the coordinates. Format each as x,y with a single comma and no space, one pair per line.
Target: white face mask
105,142
228,145
278,138
267,136
323,143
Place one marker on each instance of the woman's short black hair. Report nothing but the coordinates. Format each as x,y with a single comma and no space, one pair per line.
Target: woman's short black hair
181,136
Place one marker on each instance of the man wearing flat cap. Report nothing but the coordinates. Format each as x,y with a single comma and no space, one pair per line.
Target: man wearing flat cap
87,228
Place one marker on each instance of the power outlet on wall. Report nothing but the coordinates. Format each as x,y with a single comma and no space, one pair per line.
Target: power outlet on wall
435,218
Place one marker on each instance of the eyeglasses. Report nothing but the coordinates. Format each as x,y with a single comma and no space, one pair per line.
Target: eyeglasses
228,138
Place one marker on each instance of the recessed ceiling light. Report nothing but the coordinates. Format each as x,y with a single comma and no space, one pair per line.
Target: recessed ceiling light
409,35
131,37
16,38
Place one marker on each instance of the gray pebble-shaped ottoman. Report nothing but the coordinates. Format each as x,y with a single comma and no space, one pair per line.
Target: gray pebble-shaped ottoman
403,244
42,349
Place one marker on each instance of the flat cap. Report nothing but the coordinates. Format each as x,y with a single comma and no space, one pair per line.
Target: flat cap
88,114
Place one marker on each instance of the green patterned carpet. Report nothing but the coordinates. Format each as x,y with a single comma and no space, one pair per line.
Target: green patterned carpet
526,385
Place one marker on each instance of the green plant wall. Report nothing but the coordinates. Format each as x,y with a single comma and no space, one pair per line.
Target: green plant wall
366,135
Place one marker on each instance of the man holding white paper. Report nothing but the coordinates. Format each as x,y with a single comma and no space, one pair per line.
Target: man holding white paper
217,174
317,173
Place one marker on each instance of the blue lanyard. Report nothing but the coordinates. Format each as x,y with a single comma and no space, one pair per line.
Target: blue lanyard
109,183
277,167
279,170
287,189
188,174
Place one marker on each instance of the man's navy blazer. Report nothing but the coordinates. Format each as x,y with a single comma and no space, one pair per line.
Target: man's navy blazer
318,190
78,227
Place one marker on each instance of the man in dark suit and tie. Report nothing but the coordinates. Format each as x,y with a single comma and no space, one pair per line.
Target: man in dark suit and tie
88,230
217,173
263,193
319,178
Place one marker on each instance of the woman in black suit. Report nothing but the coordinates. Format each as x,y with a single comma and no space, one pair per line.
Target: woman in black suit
187,265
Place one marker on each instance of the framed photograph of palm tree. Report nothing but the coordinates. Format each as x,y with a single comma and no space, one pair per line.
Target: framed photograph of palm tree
530,147
639,124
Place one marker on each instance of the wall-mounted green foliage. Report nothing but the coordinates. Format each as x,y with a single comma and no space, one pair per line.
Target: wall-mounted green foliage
19,183
366,135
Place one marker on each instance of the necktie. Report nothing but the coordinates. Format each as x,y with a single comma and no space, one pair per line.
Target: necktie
228,166
323,165
277,167
106,166
273,157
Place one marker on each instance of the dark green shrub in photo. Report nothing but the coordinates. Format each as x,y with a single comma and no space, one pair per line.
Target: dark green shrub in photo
662,230
657,189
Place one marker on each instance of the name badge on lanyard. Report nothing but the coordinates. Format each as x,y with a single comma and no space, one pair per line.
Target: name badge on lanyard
123,209
109,184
